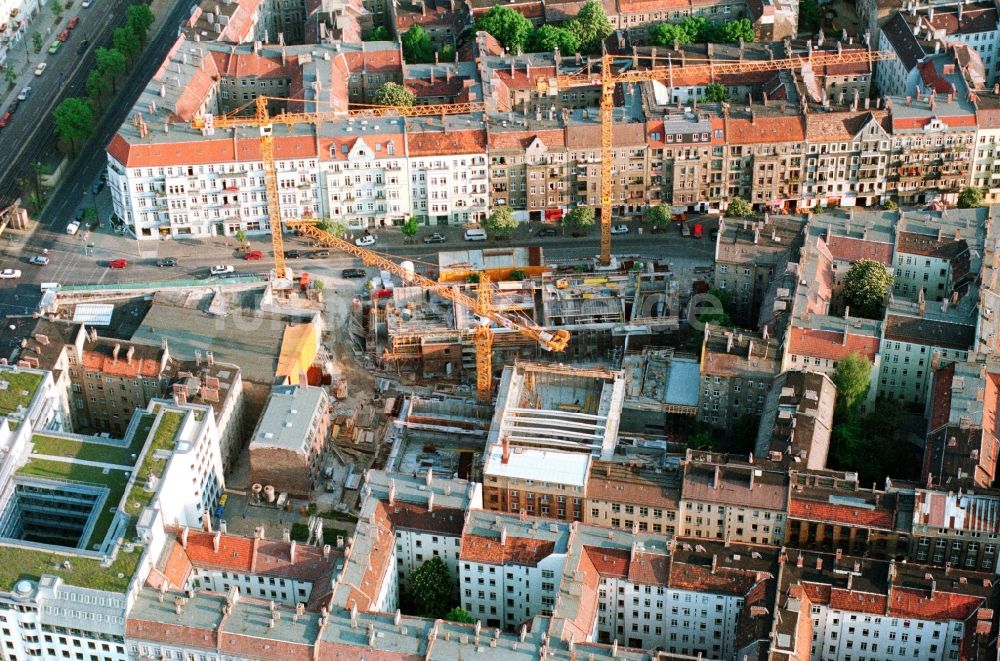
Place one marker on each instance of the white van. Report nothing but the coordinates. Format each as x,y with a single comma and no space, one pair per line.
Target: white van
475,235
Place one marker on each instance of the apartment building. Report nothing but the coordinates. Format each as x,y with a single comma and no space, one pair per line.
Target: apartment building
839,606
764,158
444,21
938,253
830,511
797,420
685,157
985,168
737,369
539,482
748,254
958,530
846,159
290,441
449,175
633,498
721,499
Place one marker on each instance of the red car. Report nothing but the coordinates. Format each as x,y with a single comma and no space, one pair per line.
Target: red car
253,255
63,36
117,264
4,120
73,22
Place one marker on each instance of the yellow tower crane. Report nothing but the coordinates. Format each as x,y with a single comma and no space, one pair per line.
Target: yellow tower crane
608,79
482,305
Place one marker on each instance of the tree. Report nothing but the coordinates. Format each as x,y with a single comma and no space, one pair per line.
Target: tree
36,42
970,198
591,26
417,46
459,614
410,228
716,93
10,76
126,42
331,226
669,35
889,205
658,217
377,34
500,224
241,236
447,53
718,310
579,219
549,37
429,588
809,16
74,120
865,286
739,208
852,378
394,94
139,19
111,64
507,26
96,85
734,31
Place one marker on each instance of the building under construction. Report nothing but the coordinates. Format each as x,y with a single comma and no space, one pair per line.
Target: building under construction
412,331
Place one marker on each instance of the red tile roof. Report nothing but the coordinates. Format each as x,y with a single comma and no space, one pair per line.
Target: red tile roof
95,361
951,121
235,553
919,604
689,576
828,512
523,80
447,521
177,635
941,402
439,143
649,569
850,249
517,550
858,602
766,130
830,344
500,139
177,568
610,563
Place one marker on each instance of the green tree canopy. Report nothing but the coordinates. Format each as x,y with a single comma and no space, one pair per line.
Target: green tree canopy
734,31
74,120
669,34
889,205
809,16
127,42
716,92
507,26
658,216
410,227
111,64
500,224
580,219
241,236
394,94
36,42
739,208
417,46
865,286
970,198
459,614
10,76
715,310
331,226
550,37
429,588
379,33
591,25
96,85
852,378
139,19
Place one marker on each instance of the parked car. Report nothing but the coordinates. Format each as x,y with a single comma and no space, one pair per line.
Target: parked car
353,273
253,255
697,231
118,264
73,22
619,229
364,241
14,105
25,93
292,254
4,120
475,235
435,238
64,35
73,227
222,269
82,48
39,260
86,3
166,261
548,231
714,234
54,48
321,253
40,69
9,274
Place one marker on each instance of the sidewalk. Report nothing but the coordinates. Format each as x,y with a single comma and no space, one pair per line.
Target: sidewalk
22,56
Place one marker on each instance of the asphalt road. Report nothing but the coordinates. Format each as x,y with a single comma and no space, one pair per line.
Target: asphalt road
30,133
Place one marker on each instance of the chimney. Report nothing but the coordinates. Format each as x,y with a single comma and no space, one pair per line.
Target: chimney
430,476
819,564
129,354
291,552
392,491
216,538
840,554
222,526
430,503
799,561
286,535
114,353
505,456
729,342
206,522
850,582
843,341
715,480
210,357
503,536
715,562
184,537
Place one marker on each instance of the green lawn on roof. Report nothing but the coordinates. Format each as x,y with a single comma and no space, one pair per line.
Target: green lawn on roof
93,450
115,481
17,384
164,438
18,563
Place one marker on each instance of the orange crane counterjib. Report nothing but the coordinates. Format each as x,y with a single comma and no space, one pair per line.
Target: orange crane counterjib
554,340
